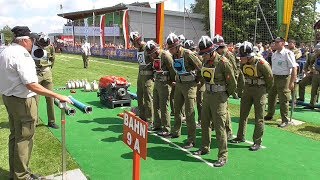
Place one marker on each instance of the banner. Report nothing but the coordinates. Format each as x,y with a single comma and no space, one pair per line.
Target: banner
110,53
125,25
159,23
215,17
90,31
102,24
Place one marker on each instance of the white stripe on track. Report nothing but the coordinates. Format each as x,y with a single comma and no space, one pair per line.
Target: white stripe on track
182,149
190,153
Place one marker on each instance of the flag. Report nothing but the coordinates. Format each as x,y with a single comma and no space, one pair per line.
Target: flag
125,25
160,23
284,13
215,17
102,25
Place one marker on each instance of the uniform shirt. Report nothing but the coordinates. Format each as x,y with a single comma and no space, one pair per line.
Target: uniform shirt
283,62
263,71
86,49
224,74
167,64
148,66
17,69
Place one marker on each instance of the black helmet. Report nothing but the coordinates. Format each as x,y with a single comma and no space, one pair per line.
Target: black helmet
218,40
172,40
206,45
189,44
246,49
151,47
134,36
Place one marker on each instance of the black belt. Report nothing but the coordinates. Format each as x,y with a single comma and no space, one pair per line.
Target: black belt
281,76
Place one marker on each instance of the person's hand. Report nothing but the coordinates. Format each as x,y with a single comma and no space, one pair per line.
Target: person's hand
64,99
291,86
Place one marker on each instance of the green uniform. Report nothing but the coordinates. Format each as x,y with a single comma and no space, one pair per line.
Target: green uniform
22,114
315,80
145,86
44,74
200,91
233,63
186,64
164,75
220,82
308,78
297,54
259,80
239,76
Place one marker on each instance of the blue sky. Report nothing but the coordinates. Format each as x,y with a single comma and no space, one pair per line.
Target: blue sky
41,16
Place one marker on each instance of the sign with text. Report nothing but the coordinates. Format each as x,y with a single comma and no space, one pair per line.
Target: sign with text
91,31
135,134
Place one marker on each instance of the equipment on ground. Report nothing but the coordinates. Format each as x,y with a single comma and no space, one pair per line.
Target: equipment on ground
113,91
84,108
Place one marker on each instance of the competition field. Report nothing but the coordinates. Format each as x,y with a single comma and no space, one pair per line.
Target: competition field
94,141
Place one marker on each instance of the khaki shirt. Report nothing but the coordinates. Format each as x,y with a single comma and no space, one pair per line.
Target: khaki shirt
166,64
297,53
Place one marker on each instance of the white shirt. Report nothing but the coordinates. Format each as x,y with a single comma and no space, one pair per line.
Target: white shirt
86,49
17,69
283,62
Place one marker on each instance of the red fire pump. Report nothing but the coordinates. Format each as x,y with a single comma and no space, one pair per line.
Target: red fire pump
113,91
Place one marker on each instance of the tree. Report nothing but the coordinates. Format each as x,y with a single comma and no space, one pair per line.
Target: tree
8,35
240,19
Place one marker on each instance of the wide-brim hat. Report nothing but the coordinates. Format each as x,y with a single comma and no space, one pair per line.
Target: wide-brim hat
208,50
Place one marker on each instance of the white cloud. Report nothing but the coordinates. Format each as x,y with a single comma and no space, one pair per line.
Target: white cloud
41,16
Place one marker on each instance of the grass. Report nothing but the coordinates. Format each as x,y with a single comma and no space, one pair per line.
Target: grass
46,157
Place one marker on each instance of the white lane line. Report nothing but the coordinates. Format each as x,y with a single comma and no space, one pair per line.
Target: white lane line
182,149
251,143
102,62
190,153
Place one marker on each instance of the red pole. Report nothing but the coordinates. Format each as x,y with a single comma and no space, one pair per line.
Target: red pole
219,17
136,166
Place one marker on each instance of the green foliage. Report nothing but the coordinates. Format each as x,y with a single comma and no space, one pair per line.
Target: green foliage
240,19
8,35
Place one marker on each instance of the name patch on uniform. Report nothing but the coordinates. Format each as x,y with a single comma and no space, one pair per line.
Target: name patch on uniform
141,58
157,65
208,74
179,66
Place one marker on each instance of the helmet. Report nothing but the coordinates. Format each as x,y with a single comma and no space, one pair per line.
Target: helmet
189,44
134,36
255,49
151,47
238,45
43,40
246,49
317,47
182,38
172,40
206,45
218,40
